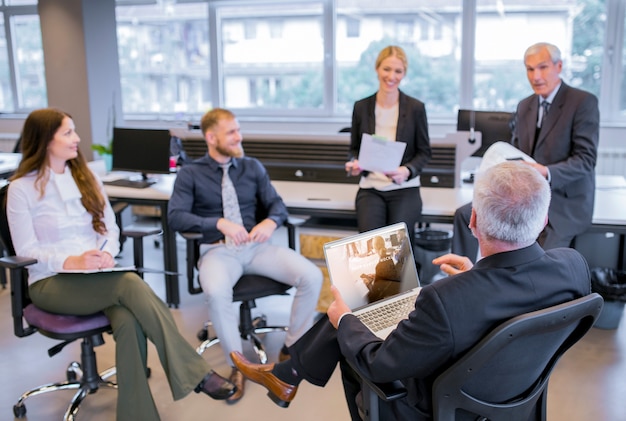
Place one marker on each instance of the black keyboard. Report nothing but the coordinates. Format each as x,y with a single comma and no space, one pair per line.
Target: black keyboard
135,184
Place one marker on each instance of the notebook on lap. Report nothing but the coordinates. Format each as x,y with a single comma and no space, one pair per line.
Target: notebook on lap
376,275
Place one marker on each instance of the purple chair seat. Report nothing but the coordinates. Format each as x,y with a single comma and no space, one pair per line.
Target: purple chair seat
64,324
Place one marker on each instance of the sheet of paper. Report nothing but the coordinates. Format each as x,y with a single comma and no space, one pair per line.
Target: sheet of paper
378,154
500,152
113,269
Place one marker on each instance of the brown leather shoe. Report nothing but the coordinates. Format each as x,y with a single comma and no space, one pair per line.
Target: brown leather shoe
283,356
280,392
238,380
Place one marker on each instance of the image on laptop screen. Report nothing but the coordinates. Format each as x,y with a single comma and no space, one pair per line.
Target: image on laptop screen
373,265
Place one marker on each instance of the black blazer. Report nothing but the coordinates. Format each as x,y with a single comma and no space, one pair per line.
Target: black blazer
568,145
412,129
454,313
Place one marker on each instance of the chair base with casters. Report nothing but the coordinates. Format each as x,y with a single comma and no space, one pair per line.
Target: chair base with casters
83,376
246,291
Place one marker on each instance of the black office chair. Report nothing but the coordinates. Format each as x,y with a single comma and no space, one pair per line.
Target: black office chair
28,319
505,376
249,288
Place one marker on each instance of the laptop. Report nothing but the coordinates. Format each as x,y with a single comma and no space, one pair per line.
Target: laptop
376,275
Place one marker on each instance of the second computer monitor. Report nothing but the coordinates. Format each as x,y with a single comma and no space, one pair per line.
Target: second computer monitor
146,151
493,125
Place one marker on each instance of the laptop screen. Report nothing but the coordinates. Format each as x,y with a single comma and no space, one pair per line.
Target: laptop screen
372,265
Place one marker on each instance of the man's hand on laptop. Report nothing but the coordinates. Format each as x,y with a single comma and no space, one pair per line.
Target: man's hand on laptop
338,308
452,264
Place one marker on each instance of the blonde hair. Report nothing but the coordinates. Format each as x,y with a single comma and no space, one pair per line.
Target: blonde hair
213,117
392,51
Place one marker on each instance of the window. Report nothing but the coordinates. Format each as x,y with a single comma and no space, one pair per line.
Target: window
499,75
264,72
164,58
278,58
29,66
434,64
22,74
353,27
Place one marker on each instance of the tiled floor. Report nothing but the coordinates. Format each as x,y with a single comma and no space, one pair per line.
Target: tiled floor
588,384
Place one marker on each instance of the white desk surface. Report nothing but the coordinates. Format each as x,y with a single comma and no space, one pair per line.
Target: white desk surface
337,196
161,190
609,206
9,162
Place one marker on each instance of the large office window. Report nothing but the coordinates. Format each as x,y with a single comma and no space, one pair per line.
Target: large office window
271,55
164,59
428,36
575,26
313,58
22,74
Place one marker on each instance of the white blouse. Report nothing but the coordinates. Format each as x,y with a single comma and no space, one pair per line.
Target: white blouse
52,227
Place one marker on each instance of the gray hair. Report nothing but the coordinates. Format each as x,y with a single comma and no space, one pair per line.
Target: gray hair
553,51
511,201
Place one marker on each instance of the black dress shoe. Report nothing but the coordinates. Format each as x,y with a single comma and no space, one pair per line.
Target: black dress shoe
216,386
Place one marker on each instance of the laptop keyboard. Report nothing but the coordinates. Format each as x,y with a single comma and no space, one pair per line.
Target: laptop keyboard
387,314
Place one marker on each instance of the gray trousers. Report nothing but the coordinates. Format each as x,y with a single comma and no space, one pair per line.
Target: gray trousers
136,314
221,267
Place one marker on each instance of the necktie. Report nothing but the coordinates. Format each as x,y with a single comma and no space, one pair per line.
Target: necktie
546,106
230,203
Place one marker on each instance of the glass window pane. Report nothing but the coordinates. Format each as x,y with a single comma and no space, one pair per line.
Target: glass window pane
30,71
575,26
20,2
6,95
164,58
272,57
429,35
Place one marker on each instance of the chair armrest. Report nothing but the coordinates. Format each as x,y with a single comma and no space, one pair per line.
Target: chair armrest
292,223
16,262
136,231
389,391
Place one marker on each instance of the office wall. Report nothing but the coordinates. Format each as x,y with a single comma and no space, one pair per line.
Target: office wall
81,61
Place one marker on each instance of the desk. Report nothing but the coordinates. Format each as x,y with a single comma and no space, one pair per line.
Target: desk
335,200
156,195
9,163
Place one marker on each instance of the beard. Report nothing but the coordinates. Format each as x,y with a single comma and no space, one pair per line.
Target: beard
233,151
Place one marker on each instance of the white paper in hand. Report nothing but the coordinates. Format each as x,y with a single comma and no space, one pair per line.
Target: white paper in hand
379,154
500,152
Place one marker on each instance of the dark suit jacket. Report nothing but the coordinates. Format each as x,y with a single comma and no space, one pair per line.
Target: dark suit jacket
412,129
454,313
567,144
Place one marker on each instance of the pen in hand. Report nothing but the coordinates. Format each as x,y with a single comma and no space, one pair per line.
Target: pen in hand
104,244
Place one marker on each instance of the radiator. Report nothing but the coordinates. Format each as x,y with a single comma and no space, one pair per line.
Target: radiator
611,161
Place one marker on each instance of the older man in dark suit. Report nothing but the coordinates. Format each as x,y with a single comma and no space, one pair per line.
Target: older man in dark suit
451,315
559,127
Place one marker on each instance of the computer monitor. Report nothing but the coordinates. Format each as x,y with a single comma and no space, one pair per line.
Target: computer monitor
145,151
494,126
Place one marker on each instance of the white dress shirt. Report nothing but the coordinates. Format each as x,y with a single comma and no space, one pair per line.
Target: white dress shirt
52,227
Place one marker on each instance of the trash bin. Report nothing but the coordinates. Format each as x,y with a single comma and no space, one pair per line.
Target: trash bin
428,245
611,285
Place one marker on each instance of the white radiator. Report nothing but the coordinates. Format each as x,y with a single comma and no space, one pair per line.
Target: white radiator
611,161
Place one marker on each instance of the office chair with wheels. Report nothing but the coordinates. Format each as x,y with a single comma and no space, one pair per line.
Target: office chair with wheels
249,288
506,374
28,319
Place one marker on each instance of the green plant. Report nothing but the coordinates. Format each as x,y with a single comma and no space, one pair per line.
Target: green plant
103,149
